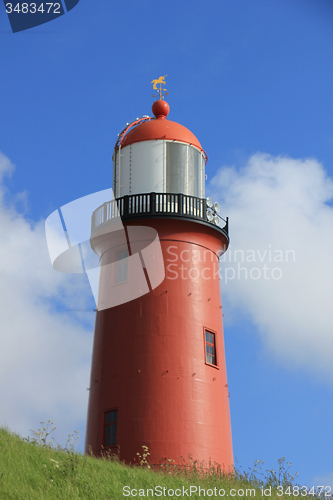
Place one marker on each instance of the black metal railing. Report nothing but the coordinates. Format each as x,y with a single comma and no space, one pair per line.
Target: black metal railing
155,205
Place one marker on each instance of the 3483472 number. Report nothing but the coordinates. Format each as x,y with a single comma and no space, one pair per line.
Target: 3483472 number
303,491
32,8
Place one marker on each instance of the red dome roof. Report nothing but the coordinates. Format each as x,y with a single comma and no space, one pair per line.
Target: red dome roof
160,128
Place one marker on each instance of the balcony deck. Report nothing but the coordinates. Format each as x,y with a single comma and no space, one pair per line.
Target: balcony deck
156,205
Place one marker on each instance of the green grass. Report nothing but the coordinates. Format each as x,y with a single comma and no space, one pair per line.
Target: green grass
30,471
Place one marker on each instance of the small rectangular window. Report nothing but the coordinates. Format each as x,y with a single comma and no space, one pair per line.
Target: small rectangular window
122,267
111,421
210,348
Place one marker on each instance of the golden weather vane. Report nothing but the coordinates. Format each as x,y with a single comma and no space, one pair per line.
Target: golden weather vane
160,81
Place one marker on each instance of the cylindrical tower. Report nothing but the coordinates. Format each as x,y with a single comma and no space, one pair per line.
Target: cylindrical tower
158,376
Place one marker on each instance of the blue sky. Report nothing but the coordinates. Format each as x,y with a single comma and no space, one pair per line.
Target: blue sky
253,81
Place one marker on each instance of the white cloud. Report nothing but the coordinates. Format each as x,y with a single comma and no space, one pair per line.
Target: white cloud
45,354
278,204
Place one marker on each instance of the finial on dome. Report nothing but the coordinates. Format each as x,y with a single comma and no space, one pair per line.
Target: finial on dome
160,109
160,81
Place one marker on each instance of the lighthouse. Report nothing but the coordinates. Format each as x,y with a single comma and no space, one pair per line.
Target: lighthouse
158,376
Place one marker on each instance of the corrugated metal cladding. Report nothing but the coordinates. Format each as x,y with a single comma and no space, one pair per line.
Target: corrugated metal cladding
159,166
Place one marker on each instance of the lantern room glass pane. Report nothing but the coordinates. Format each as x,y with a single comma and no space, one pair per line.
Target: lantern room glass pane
185,172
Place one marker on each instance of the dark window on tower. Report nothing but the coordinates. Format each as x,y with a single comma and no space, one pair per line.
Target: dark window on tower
210,348
111,420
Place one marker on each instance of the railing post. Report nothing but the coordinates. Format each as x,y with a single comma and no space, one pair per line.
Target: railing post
126,205
152,203
105,211
180,203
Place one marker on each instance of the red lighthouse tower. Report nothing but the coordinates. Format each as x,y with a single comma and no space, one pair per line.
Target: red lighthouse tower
158,375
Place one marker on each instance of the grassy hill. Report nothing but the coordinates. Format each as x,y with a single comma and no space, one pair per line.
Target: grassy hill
30,471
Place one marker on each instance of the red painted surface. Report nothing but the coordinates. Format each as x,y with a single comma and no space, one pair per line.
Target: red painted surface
149,357
160,128
160,108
